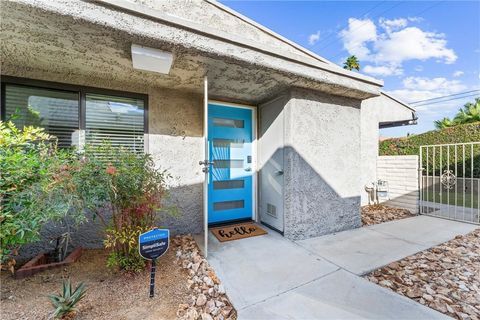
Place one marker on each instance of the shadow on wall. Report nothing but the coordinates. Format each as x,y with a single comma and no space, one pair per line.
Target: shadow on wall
312,206
314,179
321,189
91,234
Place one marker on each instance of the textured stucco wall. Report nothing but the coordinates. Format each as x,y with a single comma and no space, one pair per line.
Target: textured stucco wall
373,111
176,144
322,171
93,38
214,16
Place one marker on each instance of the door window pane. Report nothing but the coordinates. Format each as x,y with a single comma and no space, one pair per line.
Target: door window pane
54,110
115,119
228,205
224,164
228,184
228,143
230,123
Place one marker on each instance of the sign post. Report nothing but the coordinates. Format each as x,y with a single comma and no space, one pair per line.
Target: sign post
152,245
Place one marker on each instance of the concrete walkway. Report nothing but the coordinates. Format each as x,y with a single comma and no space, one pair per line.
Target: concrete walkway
366,249
270,277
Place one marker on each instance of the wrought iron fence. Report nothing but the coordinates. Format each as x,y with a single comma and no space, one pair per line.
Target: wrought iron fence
450,181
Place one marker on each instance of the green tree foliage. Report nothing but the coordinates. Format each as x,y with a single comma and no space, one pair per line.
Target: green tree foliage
35,187
129,192
444,123
351,63
40,183
468,114
456,134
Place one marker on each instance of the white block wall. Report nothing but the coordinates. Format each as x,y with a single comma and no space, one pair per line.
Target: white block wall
401,172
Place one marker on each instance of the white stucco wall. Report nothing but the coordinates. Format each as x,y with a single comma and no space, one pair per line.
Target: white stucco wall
322,171
374,111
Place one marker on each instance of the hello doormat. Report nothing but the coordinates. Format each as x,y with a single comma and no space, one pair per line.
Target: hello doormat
237,231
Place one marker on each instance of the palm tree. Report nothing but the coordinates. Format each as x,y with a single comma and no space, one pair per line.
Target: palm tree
351,63
470,113
444,123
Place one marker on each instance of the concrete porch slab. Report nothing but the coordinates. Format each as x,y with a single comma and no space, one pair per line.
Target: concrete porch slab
340,295
258,268
366,249
425,230
360,250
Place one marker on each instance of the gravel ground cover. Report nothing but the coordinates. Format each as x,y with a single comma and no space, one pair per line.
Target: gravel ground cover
378,213
207,300
182,276
445,278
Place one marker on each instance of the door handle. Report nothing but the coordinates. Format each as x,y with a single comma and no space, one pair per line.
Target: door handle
206,164
279,172
248,169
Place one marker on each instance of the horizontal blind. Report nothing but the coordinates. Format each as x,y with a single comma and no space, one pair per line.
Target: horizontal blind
118,120
54,110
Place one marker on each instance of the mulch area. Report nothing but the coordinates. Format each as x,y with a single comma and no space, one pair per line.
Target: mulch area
378,213
445,278
120,296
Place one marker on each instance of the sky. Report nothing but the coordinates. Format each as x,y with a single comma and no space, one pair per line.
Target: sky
420,49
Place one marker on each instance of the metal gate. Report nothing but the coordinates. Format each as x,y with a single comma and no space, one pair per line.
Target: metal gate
450,181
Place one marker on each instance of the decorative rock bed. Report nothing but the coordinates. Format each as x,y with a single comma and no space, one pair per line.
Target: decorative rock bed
445,278
208,301
378,213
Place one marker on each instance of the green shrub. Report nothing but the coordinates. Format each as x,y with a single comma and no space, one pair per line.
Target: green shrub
65,303
411,145
458,134
35,187
128,186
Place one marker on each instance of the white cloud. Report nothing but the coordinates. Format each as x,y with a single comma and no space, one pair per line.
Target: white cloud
357,35
313,38
418,68
458,73
415,19
422,88
412,43
394,43
385,70
442,85
393,24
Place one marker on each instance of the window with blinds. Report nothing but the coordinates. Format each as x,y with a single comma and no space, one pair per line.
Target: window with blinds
54,110
114,118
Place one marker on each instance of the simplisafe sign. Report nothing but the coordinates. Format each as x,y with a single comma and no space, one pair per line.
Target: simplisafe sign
154,243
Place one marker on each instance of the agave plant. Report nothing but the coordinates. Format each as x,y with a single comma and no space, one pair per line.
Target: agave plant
65,303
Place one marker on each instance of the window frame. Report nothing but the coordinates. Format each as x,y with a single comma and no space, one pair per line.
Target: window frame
82,92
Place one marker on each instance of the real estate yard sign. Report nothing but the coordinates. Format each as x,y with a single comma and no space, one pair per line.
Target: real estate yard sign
152,245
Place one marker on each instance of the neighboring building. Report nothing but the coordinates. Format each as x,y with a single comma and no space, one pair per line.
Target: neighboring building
283,125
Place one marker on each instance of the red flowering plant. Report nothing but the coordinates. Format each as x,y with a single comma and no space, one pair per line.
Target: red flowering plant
130,192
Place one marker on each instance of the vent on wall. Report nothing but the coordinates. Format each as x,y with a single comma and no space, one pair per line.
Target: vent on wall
272,210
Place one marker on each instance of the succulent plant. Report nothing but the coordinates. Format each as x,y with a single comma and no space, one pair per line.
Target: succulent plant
65,303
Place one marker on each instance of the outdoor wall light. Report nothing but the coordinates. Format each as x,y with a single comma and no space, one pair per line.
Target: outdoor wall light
150,59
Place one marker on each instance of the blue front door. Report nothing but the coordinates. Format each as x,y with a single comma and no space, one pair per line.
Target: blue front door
230,177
